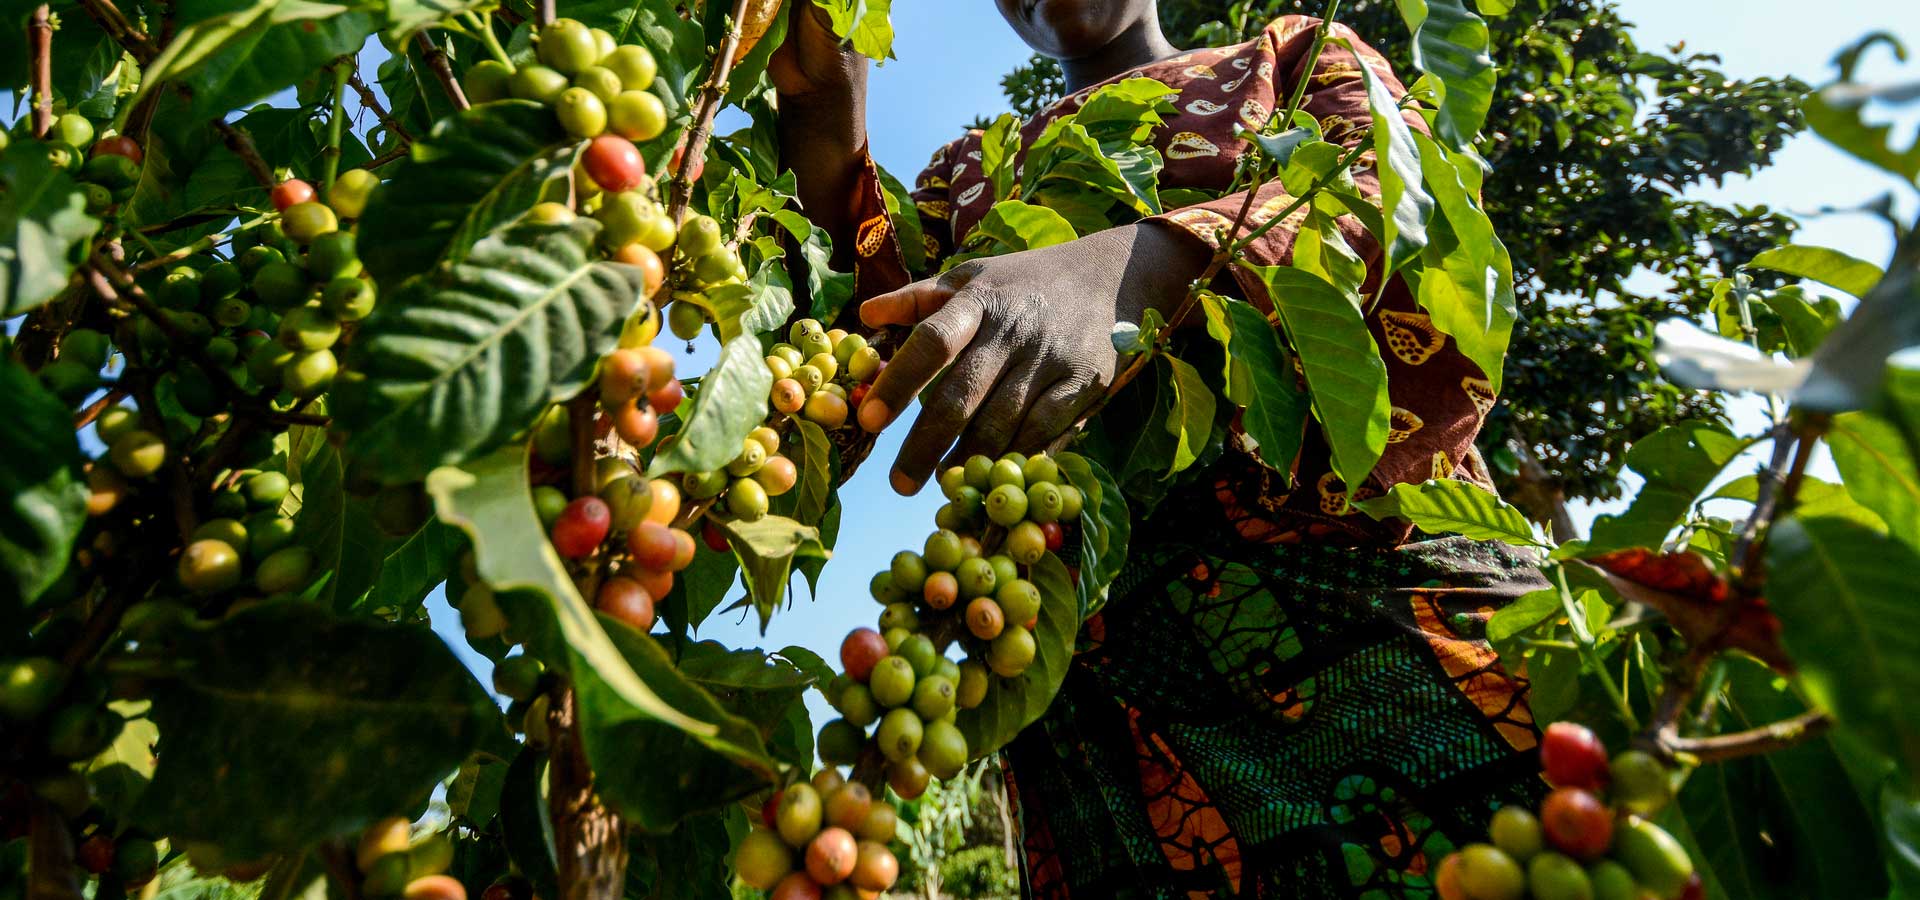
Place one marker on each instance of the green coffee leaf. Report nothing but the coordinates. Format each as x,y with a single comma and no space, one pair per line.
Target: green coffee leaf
1841,591
1402,195
1014,226
1346,378
1878,467
1446,506
1105,528
1842,124
479,168
413,570
45,231
1275,407
1014,703
231,57
698,590
1825,265
863,23
1466,285
457,363
767,548
1531,609
281,725
46,492
1678,462
730,403
1451,44
1193,406
814,491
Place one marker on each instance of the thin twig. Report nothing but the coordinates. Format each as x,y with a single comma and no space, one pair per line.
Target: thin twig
241,144
545,14
98,407
40,33
1752,555
712,94
122,30
115,285
394,155
371,101
436,60
1753,741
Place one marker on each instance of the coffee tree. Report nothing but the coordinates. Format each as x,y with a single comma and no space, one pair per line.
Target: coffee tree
277,373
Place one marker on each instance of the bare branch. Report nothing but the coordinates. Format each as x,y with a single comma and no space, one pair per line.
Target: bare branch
40,34
436,59
242,146
1754,741
713,95
372,103
121,29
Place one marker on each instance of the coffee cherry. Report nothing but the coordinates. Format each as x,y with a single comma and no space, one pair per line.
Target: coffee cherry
1639,783
1551,876
623,598
1026,543
633,64
657,582
975,577
614,163
839,742
831,856
284,570
289,192
435,887
581,528
849,806
350,192
653,272
826,410
209,566
600,82
881,825
105,490
942,551
1007,505
860,651
683,551
899,734
943,749
386,836
797,886
918,651
1658,862
778,475
348,299
788,396
567,45
308,220
891,682
971,688
1012,652
856,705
652,545
899,615
940,590
1612,881
637,425
985,619
908,778
138,453
1576,823
666,502
1055,535
1516,832
909,571
518,677
96,854
117,145
1573,756
798,818
933,698
309,373
762,859
747,500
875,868
1488,874
637,115
480,613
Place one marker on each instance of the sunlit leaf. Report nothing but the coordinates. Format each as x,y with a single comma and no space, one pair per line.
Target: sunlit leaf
44,228
1827,266
46,493
1677,462
1345,376
731,401
1451,45
1402,195
1446,506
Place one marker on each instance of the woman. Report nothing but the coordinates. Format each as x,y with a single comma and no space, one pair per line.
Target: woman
1284,697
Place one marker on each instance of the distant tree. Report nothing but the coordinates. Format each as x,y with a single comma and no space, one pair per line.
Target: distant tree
1593,142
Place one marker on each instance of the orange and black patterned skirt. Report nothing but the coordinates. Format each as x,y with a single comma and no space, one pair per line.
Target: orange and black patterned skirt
1276,720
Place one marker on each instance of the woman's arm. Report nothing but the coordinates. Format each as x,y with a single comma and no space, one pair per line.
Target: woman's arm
822,87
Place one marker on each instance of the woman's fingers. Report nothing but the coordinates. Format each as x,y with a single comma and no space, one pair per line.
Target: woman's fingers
991,431
1058,407
934,344
946,409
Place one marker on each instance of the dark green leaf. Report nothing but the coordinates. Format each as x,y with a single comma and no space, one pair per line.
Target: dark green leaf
46,493
1678,462
291,40
1827,266
1345,375
1401,193
120,773
1454,507
1851,364
1842,593
1264,385
404,17
906,221
1879,470
479,168
1451,45
767,548
1531,609
457,363
1467,282
44,228
413,570
524,827
1816,498
1105,528
698,589
814,491
283,726
1014,703
731,401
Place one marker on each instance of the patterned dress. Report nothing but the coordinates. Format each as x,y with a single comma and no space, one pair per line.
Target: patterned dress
1284,697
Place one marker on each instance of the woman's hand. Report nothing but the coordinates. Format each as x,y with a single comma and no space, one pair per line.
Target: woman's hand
1025,339
813,63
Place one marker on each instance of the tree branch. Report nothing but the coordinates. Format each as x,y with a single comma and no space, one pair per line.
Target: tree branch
94,410
590,840
1754,741
242,146
372,103
114,286
712,95
121,29
436,60
40,35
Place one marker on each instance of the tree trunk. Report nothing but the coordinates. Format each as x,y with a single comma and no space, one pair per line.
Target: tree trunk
590,840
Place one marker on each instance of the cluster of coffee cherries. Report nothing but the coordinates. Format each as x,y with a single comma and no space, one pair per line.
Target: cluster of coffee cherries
821,839
69,724
1589,840
822,374
107,167
593,84
391,863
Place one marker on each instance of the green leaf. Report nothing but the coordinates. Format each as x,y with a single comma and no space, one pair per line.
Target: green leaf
288,41
46,492
1842,124
1105,528
1816,498
1446,506
1466,285
313,466
120,773
906,221
1014,703
1345,376
490,500
1015,226
1842,592
45,231
1531,609
412,571
282,725
1321,250
1191,422
1275,407
814,491
404,17
1879,470
1451,45
1407,204
864,23
1678,462
1852,363
525,829
479,168
698,589
457,363
1827,266
999,150
767,548
731,402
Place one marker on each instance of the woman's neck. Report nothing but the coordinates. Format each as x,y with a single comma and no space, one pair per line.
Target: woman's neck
1143,42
